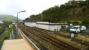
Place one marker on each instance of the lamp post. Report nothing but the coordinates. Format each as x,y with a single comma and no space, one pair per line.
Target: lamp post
18,13
18,21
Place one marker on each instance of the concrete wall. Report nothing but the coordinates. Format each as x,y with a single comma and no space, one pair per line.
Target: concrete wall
31,24
49,27
45,26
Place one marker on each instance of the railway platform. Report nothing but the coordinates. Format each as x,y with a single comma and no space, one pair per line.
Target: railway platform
16,44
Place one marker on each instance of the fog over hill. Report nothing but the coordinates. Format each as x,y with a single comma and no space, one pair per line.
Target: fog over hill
8,18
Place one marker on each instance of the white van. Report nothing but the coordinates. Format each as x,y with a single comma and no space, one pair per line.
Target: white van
77,29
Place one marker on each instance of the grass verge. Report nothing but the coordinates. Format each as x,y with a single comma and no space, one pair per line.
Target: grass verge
4,36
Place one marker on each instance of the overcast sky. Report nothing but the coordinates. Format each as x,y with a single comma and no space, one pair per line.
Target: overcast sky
11,7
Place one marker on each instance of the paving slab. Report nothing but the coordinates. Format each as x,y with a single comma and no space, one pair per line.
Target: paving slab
16,44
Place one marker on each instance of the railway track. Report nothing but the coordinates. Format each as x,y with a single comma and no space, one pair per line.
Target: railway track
33,39
64,35
45,37
40,40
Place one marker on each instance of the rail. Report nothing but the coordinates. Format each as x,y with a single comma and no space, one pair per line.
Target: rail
27,39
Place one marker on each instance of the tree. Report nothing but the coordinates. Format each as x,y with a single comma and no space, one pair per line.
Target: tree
65,13
85,22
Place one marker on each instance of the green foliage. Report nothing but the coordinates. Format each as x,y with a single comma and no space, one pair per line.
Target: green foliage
4,36
85,22
7,23
1,29
65,13
75,23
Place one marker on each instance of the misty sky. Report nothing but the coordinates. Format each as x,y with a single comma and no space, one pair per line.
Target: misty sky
11,7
